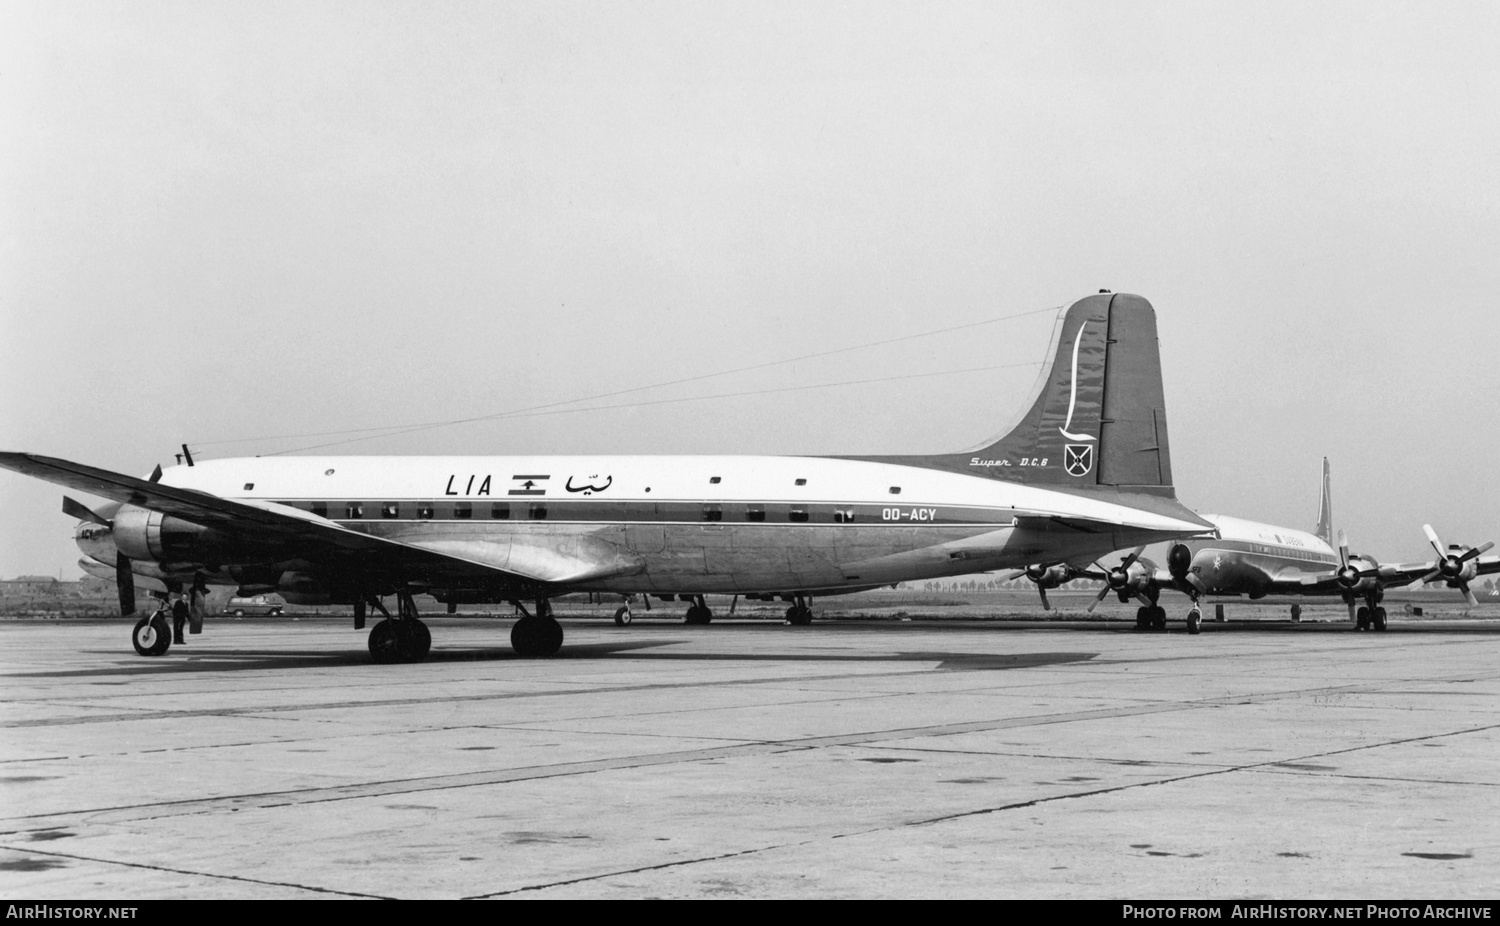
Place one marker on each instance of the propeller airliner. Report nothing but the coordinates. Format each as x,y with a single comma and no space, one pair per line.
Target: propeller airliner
1085,471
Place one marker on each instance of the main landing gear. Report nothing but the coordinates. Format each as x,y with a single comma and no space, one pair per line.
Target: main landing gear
799,614
1151,617
1368,618
698,613
402,638
539,635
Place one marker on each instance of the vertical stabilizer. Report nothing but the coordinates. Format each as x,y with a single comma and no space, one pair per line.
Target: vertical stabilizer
1099,419
1325,510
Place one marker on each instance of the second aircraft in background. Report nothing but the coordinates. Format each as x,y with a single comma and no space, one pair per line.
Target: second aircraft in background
1250,559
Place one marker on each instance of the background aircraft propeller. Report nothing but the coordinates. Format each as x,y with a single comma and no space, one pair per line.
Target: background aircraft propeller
1117,579
1045,577
1452,566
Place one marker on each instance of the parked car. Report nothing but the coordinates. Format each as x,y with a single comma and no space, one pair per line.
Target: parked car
260,604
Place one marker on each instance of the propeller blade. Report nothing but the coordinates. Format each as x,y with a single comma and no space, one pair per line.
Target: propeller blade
155,474
1013,575
1102,592
125,584
1343,550
1430,576
1135,555
1482,548
1353,612
1046,605
1437,544
76,509
1468,595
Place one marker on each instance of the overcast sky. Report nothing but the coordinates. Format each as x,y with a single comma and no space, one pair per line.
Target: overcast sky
247,220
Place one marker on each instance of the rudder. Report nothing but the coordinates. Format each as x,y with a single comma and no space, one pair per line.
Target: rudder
1099,417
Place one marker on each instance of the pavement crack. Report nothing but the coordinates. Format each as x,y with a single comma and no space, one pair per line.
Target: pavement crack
196,874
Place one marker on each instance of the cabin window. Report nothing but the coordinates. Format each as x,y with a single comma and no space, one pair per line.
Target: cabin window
390,510
500,511
249,486
538,512
801,482
843,515
354,510
713,480
895,490
320,509
463,510
797,514
713,512
755,513
424,510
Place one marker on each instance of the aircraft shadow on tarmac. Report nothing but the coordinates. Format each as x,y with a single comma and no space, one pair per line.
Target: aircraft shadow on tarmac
261,660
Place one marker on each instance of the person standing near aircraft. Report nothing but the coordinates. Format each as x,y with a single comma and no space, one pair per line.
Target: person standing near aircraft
180,613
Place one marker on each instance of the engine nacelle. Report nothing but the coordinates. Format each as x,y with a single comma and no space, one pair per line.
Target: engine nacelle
1050,576
140,533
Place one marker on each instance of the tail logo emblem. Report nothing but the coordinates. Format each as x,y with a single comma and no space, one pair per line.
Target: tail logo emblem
1078,459
1073,400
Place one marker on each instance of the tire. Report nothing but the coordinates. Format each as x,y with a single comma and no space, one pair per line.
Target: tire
275,612
385,643
536,638
163,635
622,617
239,612
418,641
1195,621
1362,619
1377,620
143,637
1158,617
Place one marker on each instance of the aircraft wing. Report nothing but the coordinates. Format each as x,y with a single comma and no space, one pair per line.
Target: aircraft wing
574,560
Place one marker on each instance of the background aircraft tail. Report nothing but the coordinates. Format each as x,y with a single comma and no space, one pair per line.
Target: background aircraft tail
1098,419
1325,510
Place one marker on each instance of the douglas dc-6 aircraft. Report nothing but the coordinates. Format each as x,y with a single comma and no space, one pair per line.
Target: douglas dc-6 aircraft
1255,560
1085,471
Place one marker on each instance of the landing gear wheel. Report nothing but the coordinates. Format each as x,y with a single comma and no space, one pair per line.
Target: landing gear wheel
151,636
385,643
1362,619
622,616
536,637
1296,613
1377,619
1195,621
798,617
698,614
1158,617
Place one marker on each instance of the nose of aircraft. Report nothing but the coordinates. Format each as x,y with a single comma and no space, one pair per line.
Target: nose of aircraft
96,541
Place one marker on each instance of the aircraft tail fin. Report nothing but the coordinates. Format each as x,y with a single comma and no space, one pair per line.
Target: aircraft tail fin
1098,420
1325,509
